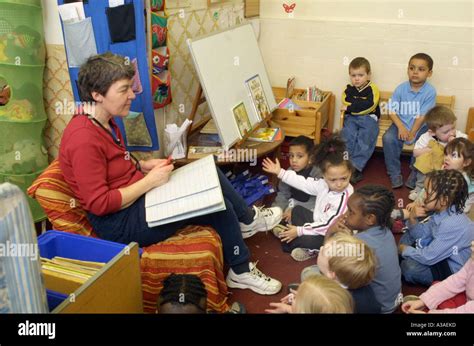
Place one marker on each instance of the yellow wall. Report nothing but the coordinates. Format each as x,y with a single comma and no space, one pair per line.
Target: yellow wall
317,41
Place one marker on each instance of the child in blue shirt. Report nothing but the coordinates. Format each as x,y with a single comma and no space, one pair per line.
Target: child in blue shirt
439,246
410,101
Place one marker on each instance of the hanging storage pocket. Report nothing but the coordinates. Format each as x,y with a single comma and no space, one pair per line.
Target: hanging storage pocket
80,42
121,21
136,130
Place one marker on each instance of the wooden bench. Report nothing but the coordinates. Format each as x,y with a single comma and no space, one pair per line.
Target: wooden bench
385,121
470,125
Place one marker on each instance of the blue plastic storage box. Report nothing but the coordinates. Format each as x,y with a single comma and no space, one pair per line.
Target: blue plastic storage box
69,245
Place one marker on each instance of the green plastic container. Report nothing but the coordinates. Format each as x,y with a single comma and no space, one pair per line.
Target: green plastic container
24,181
23,154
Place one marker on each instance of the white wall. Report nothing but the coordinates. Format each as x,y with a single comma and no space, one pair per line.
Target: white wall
317,41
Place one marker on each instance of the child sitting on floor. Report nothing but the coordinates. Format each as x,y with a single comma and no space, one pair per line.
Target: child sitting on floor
182,294
458,155
462,281
306,234
439,247
316,295
288,197
368,213
352,263
428,151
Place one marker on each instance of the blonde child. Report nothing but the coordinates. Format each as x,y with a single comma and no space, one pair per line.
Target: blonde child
428,151
316,295
462,281
439,247
306,234
352,263
368,213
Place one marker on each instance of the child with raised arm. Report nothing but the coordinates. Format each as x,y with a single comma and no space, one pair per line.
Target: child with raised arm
306,234
288,197
408,105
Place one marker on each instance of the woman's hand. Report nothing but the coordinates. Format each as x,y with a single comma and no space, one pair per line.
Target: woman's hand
271,167
159,175
289,235
413,307
279,308
148,165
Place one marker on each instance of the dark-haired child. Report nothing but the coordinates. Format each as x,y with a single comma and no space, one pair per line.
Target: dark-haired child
368,213
408,105
439,247
288,197
182,294
306,234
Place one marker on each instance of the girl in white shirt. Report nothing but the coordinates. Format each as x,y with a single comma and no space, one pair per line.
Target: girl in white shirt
306,234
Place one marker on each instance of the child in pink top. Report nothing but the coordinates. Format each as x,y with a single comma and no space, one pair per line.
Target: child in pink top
462,281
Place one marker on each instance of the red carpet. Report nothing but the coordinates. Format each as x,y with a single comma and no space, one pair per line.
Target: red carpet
266,248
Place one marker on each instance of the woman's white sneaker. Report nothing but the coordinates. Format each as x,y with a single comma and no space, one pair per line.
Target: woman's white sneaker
265,219
254,280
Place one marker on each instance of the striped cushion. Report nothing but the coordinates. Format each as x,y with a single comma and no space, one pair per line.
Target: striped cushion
193,250
64,211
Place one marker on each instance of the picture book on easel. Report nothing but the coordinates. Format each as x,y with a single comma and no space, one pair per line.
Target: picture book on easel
258,96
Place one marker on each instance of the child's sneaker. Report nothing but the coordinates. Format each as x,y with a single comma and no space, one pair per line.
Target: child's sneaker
410,298
254,280
278,229
413,195
237,308
265,219
300,254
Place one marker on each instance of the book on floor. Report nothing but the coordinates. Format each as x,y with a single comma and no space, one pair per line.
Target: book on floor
192,190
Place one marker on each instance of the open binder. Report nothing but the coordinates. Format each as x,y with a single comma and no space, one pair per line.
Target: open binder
192,190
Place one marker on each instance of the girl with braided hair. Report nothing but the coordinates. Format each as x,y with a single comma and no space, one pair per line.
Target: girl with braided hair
183,293
305,235
439,246
368,213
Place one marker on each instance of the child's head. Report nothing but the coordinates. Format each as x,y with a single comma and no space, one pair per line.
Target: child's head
459,155
300,150
420,68
348,260
445,189
369,206
441,123
321,295
333,160
182,294
359,71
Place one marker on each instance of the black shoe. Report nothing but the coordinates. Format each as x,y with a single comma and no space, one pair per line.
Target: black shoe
356,177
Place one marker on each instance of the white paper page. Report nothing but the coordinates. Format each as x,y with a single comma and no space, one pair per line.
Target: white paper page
193,178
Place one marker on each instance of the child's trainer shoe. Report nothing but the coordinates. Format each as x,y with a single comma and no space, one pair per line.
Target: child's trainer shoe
300,254
265,219
254,280
278,229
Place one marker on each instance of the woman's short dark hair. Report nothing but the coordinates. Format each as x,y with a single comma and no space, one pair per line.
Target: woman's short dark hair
100,72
